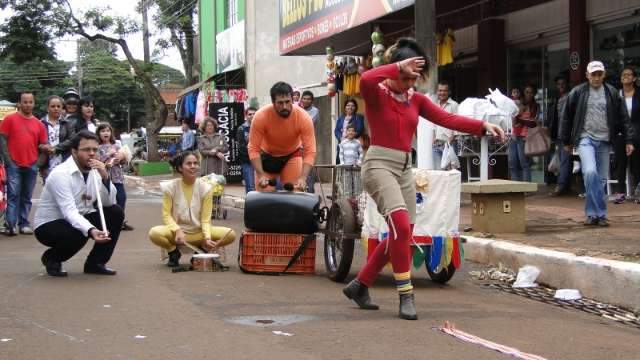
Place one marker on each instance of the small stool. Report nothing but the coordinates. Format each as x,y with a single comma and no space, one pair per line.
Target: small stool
498,206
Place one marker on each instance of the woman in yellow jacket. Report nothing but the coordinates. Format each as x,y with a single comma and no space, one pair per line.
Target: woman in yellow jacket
186,212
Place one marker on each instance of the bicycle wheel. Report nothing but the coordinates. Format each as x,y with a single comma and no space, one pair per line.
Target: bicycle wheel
338,249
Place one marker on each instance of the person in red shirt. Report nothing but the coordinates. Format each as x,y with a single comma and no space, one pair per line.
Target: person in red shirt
392,111
24,135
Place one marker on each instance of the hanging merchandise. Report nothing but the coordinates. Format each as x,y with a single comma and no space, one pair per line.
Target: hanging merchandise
351,78
339,75
377,50
444,51
201,108
330,71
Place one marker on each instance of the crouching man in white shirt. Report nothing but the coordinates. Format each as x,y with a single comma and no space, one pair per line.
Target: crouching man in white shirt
67,215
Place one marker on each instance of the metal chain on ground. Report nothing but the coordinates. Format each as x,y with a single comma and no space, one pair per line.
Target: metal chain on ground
546,295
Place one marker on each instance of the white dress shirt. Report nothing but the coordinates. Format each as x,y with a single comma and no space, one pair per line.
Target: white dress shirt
443,133
64,197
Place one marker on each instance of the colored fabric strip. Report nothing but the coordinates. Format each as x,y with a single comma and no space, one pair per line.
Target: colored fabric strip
455,256
436,252
466,337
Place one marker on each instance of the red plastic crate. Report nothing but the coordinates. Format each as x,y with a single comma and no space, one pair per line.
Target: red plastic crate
270,253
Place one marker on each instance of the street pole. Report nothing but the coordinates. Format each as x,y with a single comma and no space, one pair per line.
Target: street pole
425,32
79,64
148,107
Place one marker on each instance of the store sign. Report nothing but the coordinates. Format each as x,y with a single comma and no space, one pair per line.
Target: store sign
230,48
303,22
6,110
574,60
230,117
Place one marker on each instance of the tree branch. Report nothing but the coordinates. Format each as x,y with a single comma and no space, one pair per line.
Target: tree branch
149,87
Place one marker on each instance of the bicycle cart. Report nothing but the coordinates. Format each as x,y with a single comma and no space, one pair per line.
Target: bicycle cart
218,181
352,215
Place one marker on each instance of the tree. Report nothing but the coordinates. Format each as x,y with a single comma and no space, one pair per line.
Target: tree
115,91
177,16
163,75
96,24
43,78
27,35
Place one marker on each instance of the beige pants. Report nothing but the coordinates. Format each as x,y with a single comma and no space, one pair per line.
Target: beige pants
166,239
388,179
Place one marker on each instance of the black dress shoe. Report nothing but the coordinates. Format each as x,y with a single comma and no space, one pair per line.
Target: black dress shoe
100,269
174,258
54,268
126,227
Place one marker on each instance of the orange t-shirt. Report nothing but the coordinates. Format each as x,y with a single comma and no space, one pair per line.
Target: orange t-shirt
280,136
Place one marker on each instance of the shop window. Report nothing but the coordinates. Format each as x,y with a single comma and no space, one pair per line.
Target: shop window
617,47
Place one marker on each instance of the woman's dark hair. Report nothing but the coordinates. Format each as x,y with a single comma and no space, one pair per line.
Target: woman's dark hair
102,126
280,88
80,121
54,97
630,68
352,101
209,120
406,48
177,161
80,135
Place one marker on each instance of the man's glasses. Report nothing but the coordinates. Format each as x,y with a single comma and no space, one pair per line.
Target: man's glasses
89,150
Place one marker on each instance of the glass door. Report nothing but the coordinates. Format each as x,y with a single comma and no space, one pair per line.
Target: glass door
538,66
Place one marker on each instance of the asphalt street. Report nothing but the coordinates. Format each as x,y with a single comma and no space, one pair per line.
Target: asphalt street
148,312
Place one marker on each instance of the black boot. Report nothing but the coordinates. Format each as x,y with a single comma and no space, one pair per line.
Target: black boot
174,258
407,308
359,293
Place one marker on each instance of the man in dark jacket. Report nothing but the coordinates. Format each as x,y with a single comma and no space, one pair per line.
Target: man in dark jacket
593,116
242,138
554,112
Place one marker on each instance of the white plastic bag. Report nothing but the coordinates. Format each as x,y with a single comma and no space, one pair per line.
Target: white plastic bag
503,102
449,158
554,164
527,276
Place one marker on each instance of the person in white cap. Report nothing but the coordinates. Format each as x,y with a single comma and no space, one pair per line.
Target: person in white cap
593,116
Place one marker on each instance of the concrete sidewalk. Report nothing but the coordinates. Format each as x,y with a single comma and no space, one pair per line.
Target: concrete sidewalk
603,263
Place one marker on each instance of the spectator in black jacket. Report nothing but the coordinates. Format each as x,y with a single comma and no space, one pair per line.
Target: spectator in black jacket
631,100
242,137
554,111
593,116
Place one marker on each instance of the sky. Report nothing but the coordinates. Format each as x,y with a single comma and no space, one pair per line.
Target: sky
66,48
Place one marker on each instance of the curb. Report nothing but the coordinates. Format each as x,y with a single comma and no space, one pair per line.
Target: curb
233,201
609,281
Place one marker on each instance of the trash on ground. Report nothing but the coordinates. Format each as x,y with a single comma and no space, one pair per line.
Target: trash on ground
140,337
5,340
568,294
106,306
500,273
527,276
281,333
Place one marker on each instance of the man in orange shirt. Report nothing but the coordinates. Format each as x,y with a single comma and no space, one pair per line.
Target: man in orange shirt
278,133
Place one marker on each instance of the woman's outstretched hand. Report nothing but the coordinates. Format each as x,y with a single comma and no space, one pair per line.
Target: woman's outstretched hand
494,130
411,67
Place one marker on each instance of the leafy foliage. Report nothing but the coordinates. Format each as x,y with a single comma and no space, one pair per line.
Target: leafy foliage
28,35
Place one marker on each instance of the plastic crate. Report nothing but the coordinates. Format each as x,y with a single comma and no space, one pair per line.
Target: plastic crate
270,253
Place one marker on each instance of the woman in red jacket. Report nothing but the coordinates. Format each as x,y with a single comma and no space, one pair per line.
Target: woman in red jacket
392,111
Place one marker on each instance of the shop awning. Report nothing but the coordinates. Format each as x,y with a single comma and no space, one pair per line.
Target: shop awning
352,40
194,87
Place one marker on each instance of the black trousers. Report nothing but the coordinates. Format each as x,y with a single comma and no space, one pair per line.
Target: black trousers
621,160
64,240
